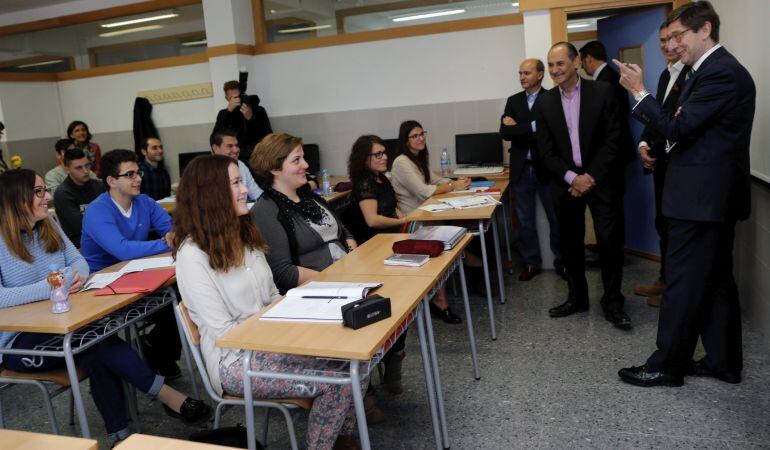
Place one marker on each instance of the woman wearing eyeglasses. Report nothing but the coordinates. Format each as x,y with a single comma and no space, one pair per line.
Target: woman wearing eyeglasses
31,243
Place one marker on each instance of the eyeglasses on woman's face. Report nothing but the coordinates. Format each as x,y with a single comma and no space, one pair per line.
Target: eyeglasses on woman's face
416,136
131,174
41,191
378,155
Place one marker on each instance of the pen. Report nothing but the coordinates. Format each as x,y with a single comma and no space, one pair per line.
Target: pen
325,297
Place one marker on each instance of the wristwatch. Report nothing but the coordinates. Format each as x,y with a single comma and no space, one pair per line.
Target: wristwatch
640,95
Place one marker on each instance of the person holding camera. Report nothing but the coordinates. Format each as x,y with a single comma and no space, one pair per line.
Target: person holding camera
244,116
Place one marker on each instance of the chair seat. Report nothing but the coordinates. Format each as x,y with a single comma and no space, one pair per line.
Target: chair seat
304,403
58,376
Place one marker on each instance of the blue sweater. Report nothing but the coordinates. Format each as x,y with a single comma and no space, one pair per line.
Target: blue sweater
22,282
109,237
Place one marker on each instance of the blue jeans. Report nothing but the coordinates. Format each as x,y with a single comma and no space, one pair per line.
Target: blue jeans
107,364
527,187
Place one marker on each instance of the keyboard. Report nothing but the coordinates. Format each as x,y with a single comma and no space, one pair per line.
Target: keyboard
478,170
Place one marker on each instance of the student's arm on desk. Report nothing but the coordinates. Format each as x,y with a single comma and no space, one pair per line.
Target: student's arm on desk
369,210
406,174
160,219
105,232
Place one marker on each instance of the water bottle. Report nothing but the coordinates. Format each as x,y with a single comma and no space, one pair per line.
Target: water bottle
326,184
59,294
445,163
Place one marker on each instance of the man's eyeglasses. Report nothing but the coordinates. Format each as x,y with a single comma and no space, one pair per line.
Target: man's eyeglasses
41,191
418,135
377,155
677,35
131,174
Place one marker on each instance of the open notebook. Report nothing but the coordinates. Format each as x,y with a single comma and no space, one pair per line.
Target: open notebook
318,301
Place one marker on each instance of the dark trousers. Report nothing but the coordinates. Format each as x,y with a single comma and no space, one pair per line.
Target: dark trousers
701,299
606,205
661,226
528,187
106,363
162,344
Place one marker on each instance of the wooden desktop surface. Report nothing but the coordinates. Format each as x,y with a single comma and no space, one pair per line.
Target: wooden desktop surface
331,340
146,442
86,307
368,259
419,215
24,440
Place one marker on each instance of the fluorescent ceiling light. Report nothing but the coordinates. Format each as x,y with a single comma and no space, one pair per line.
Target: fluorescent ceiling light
300,30
515,4
449,12
194,43
572,26
168,15
131,30
42,63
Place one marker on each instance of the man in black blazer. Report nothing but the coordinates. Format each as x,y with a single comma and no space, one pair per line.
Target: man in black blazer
593,57
707,190
578,133
528,176
652,150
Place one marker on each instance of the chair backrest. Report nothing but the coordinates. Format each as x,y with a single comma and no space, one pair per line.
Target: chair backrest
193,338
192,328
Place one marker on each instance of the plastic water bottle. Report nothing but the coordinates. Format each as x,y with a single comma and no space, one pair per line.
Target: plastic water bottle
445,163
325,183
59,294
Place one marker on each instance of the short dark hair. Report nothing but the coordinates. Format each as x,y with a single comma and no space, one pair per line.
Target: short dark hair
571,50
232,84
109,166
360,153
594,49
146,142
539,66
663,25
695,15
218,134
72,154
61,145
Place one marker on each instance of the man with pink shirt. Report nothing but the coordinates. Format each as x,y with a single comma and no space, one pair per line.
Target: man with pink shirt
579,136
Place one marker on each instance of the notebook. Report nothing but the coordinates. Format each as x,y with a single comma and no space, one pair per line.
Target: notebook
409,260
318,301
135,282
447,234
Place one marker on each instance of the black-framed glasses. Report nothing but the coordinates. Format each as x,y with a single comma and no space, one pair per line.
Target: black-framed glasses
378,155
131,174
41,191
418,135
677,35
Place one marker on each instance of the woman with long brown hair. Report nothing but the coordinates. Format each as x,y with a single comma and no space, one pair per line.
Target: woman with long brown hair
31,243
224,279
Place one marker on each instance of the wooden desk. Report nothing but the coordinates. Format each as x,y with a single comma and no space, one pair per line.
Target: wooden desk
145,442
24,440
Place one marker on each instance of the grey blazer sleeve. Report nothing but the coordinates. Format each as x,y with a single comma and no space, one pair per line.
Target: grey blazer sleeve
285,273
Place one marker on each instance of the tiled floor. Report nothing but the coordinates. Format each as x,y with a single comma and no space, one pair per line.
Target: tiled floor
546,383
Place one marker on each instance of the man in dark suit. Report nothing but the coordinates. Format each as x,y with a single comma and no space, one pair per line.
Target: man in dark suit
527,172
593,57
578,133
707,190
652,151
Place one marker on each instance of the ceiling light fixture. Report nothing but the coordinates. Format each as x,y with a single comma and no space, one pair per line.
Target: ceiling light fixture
572,26
300,30
515,4
41,63
429,15
131,30
167,15
194,43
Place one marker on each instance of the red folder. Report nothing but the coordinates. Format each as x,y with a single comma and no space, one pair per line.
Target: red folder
135,282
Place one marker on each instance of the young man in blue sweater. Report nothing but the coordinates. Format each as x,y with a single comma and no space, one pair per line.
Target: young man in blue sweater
116,227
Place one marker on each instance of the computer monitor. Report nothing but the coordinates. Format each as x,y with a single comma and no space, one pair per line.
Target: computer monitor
313,158
391,145
185,158
479,148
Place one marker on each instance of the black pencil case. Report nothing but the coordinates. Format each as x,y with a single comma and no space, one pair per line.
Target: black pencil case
366,311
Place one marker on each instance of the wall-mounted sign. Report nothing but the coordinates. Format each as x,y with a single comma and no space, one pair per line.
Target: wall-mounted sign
178,93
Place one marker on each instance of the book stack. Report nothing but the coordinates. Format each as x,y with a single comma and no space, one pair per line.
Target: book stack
447,234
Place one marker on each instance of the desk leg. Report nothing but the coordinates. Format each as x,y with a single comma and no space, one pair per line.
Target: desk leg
358,402
428,375
248,398
496,240
487,284
436,375
506,228
469,322
75,386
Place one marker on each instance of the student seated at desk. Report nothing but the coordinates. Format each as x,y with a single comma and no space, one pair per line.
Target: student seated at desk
31,242
75,193
224,279
116,227
304,233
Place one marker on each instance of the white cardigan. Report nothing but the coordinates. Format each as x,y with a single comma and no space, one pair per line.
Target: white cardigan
409,184
218,301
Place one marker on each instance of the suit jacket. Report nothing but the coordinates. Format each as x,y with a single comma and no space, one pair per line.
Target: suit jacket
521,136
654,139
708,169
599,135
609,75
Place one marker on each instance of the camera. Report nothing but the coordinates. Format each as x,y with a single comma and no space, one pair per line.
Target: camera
251,100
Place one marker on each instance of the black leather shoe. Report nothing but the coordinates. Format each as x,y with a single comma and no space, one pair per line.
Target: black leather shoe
639,376
445,315
529,273
701,369
562,272
192,411
618,318
568,308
